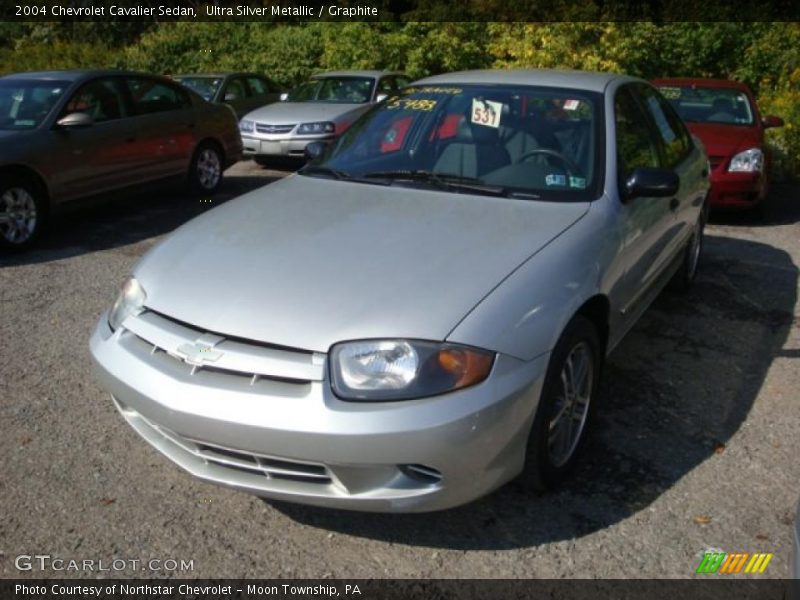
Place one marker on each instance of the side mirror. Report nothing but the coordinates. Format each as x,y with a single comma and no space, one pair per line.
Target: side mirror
230,97
651,182
381,97
771,121
284,96
314,151
75,120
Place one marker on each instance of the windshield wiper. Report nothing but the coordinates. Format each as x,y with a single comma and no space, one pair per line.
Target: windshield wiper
452,181
320,170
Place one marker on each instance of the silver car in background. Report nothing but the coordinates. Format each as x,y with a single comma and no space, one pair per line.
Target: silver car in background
65,135
423,313
319,109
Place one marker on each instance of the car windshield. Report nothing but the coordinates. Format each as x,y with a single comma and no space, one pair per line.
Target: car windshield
25,103
345,90
205,86
709,105
525,142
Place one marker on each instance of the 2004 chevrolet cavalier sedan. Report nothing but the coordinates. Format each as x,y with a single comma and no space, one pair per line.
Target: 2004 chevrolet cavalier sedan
422,313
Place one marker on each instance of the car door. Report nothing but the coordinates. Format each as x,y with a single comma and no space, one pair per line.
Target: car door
263,91
644,222
165,121
102,155
679,155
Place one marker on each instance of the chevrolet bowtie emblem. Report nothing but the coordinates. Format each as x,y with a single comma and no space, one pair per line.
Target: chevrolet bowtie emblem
197,354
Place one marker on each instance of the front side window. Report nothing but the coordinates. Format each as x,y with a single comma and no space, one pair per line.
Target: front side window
153,96
636,145
675,140
697,104
100,99
236,89
536,143
344,90
25,103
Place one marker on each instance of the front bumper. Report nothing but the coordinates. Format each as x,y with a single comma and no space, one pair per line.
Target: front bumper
736,190
300,443
279,145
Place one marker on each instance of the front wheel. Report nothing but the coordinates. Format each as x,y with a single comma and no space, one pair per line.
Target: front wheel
566,405
21,214
205,172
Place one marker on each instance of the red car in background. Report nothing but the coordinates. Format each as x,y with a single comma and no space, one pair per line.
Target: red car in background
724,115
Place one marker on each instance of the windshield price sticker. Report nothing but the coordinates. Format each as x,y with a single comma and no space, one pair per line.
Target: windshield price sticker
412,104
486,112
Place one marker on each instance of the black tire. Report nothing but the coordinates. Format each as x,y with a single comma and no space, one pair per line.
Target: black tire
205,170
544,468
23,212
684,278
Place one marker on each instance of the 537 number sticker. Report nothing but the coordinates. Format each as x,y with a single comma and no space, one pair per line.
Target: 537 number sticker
486,112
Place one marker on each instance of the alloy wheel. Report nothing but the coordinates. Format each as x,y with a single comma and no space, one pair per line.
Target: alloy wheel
17,215
209,169
571,407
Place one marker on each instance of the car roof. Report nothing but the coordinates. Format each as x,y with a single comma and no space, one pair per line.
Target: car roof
72,74
702,82
354,73
584,80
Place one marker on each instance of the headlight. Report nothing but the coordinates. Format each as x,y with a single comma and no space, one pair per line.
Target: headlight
129,302
751,161
247,126
404,369
320,127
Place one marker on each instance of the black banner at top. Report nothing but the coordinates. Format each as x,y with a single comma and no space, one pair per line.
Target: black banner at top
399,10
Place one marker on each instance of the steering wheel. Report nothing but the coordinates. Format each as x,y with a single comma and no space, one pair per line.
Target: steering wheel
572,168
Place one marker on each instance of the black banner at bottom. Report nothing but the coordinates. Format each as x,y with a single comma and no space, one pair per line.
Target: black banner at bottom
712,588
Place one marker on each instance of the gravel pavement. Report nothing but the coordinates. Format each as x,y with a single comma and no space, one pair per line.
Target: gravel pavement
697,444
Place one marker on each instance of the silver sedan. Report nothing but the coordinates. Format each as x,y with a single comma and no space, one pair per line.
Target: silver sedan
422,314
319,109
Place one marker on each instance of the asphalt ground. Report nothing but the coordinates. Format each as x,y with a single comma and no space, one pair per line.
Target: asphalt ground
696,448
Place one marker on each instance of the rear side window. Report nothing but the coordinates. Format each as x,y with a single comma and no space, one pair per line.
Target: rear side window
636,144
236,89
674,137
152,96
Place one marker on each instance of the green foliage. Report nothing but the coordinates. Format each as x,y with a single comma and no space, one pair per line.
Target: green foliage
764,55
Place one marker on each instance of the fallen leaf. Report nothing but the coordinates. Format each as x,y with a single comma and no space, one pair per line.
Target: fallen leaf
702,519
26,441
762,536
719,447
108,501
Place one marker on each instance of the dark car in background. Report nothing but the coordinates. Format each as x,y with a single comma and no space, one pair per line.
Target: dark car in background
724,115
66,135
243,92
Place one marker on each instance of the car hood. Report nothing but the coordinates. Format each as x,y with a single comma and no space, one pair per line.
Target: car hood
289,113
725,140
307,262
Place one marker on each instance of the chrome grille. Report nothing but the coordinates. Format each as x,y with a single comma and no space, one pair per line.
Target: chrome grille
274,129
182,349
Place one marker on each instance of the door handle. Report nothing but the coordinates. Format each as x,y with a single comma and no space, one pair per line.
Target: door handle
674,204
130,140
190,125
